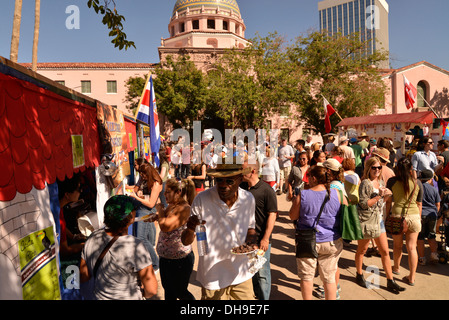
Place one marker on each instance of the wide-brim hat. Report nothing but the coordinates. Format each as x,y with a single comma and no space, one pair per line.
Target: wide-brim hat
363,135
225,169
382,153
332,164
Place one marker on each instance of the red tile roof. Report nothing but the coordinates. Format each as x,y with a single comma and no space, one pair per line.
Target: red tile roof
90,65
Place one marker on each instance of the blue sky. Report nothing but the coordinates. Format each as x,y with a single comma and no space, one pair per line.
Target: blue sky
418,29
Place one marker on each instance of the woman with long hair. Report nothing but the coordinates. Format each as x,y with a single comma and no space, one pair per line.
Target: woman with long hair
305,208
151,187
407,198
175,259
372,194
164,168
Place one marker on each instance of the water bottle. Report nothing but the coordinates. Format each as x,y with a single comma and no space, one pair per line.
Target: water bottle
201,239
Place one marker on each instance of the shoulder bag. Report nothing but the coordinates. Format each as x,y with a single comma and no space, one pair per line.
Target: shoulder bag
398,225
349,221
306,239
103,253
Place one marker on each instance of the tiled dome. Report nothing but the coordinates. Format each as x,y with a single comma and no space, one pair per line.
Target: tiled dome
223,4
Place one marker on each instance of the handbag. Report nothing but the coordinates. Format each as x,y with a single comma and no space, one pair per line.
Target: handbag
305,239
349,221
398,225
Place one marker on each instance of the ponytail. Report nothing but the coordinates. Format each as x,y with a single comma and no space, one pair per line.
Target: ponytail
185,186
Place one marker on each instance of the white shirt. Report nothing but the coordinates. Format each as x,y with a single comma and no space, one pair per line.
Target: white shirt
270,169
226,228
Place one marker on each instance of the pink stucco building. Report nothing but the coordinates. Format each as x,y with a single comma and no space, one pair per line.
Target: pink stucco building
204,30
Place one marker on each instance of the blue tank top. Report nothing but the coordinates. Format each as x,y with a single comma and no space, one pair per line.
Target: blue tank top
329,224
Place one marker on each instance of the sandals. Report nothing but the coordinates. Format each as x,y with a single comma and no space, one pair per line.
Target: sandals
406,279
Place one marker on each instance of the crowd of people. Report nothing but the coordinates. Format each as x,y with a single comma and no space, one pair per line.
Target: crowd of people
237,202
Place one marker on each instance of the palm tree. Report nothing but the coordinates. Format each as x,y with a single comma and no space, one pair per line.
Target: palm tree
16,31
37,18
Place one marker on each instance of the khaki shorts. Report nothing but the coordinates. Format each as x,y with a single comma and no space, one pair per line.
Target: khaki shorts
242,291
285,172
413,222
328,255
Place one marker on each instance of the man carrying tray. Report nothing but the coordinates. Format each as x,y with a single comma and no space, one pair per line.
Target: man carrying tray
229,213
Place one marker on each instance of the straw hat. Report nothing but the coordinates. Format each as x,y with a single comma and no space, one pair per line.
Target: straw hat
224,169
382,153
332,164
363,135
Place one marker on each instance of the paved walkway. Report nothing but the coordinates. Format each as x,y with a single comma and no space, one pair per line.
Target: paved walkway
432,281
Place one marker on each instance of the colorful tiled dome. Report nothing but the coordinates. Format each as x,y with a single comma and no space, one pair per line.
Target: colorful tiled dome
224,4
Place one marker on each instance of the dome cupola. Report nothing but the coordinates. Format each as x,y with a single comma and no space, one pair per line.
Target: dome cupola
206,24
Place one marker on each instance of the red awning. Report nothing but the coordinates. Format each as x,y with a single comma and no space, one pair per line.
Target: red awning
36,126
412,117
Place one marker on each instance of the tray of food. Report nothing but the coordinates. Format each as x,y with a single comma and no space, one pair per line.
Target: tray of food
244,249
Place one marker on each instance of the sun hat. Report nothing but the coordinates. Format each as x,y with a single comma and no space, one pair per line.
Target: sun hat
224,169
119,207
363,135
382,153
332,164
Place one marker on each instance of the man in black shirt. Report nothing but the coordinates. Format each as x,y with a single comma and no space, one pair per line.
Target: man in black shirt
266,214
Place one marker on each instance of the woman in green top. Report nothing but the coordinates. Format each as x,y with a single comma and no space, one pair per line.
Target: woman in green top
407,198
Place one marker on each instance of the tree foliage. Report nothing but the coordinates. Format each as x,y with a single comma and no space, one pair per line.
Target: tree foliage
181,91
249,85
340,69
114,22
135,86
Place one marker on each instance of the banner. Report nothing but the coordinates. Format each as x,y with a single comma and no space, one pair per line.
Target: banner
115,144
38,266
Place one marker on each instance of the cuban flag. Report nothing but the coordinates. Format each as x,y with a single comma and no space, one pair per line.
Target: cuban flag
410,94
148,114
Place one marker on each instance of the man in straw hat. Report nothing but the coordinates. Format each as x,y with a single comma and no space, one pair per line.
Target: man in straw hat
229,215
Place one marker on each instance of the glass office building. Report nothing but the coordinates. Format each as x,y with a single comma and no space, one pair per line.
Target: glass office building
367,17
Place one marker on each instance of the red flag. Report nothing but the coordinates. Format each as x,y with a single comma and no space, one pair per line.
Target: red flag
328,111
410,94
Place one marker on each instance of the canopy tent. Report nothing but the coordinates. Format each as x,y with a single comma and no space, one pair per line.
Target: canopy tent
412,117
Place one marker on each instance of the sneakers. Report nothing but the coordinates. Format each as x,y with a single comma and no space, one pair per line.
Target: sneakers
422,261
319,293
434,258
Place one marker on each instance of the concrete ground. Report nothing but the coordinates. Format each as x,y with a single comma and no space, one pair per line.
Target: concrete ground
432,281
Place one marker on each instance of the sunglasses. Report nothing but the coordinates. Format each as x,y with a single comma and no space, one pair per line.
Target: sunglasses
229,182
377,168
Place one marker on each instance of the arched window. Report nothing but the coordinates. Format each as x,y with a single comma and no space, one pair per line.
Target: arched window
422,94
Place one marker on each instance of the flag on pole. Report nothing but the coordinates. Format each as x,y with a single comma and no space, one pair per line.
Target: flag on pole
148,114
328,112
410,94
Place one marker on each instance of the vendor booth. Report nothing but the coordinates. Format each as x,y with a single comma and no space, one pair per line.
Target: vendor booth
50,134
393,126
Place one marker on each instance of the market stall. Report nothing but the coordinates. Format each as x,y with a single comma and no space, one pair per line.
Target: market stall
393,126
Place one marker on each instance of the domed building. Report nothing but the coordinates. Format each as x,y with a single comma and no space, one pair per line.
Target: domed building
203,29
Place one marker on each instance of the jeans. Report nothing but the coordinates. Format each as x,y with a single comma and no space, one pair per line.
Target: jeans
185,171
162,196
146,231
175,277
262,279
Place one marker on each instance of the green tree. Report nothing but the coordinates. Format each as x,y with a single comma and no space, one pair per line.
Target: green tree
181,91
250,84
339,69
135,86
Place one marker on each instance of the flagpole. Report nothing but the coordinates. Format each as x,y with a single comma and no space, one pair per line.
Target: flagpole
141,97
336,112
431,108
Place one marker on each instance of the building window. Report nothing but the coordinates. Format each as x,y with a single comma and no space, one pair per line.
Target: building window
112,86
210,24
422,94
196,24
61,82
225,25
182,27
86,86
